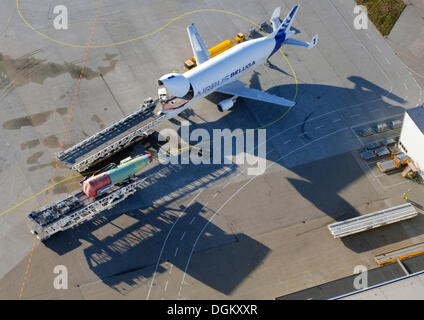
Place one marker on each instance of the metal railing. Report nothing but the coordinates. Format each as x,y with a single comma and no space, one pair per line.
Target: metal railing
372,220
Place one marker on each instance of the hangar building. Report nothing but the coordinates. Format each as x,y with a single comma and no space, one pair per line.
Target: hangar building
411,139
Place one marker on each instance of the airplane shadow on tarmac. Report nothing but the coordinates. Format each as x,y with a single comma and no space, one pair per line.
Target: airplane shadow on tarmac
127,257
324,178
321,180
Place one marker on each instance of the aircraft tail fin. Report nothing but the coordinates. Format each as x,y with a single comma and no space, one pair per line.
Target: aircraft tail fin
283,35
282,29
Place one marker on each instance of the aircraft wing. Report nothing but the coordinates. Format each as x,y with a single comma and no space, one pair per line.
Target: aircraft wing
199,49
238,88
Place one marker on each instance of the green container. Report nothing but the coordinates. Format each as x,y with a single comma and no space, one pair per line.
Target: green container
128,169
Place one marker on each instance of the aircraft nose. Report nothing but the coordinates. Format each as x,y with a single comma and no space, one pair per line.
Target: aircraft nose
177,84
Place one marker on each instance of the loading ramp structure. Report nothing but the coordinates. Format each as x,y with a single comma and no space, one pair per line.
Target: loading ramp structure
78,208
372,220
112,139
399,254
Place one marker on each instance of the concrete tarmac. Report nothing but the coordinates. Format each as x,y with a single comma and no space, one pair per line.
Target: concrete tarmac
209,231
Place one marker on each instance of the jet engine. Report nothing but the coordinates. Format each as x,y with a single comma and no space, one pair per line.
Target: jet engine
177,84
226,104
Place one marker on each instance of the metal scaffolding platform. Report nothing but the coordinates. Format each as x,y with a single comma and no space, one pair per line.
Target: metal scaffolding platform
400,254
372,220
112,139
78,208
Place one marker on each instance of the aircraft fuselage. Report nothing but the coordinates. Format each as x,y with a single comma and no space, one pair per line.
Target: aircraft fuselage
229,66
225,68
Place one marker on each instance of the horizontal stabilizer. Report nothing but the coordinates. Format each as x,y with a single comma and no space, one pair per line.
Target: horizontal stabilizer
313,42
309,45
275,19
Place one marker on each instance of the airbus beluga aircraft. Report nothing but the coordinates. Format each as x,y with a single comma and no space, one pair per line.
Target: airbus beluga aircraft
220,73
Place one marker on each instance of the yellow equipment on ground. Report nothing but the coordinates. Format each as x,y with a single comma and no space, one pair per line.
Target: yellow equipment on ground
396,161
214,51
239,37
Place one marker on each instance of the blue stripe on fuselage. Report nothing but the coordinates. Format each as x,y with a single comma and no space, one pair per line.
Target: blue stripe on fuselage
280,37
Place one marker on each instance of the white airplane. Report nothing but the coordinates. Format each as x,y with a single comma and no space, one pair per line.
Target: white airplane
220,74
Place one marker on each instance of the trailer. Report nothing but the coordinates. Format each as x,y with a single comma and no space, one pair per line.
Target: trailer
372,220
78,209
368,155
112,139
387,165
366,132
382,151
397,161
213,52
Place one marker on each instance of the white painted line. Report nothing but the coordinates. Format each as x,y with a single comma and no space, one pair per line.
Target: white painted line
334,111
164,244
380,175
176,251
286,142
355,115
216,194
337,120
241,188
366,33
192,220
170,269
396,184
372,169
372,173
378,49
166,285
226,185
182,237
387,60
374,110
377,120
354,133
319,127
406,87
